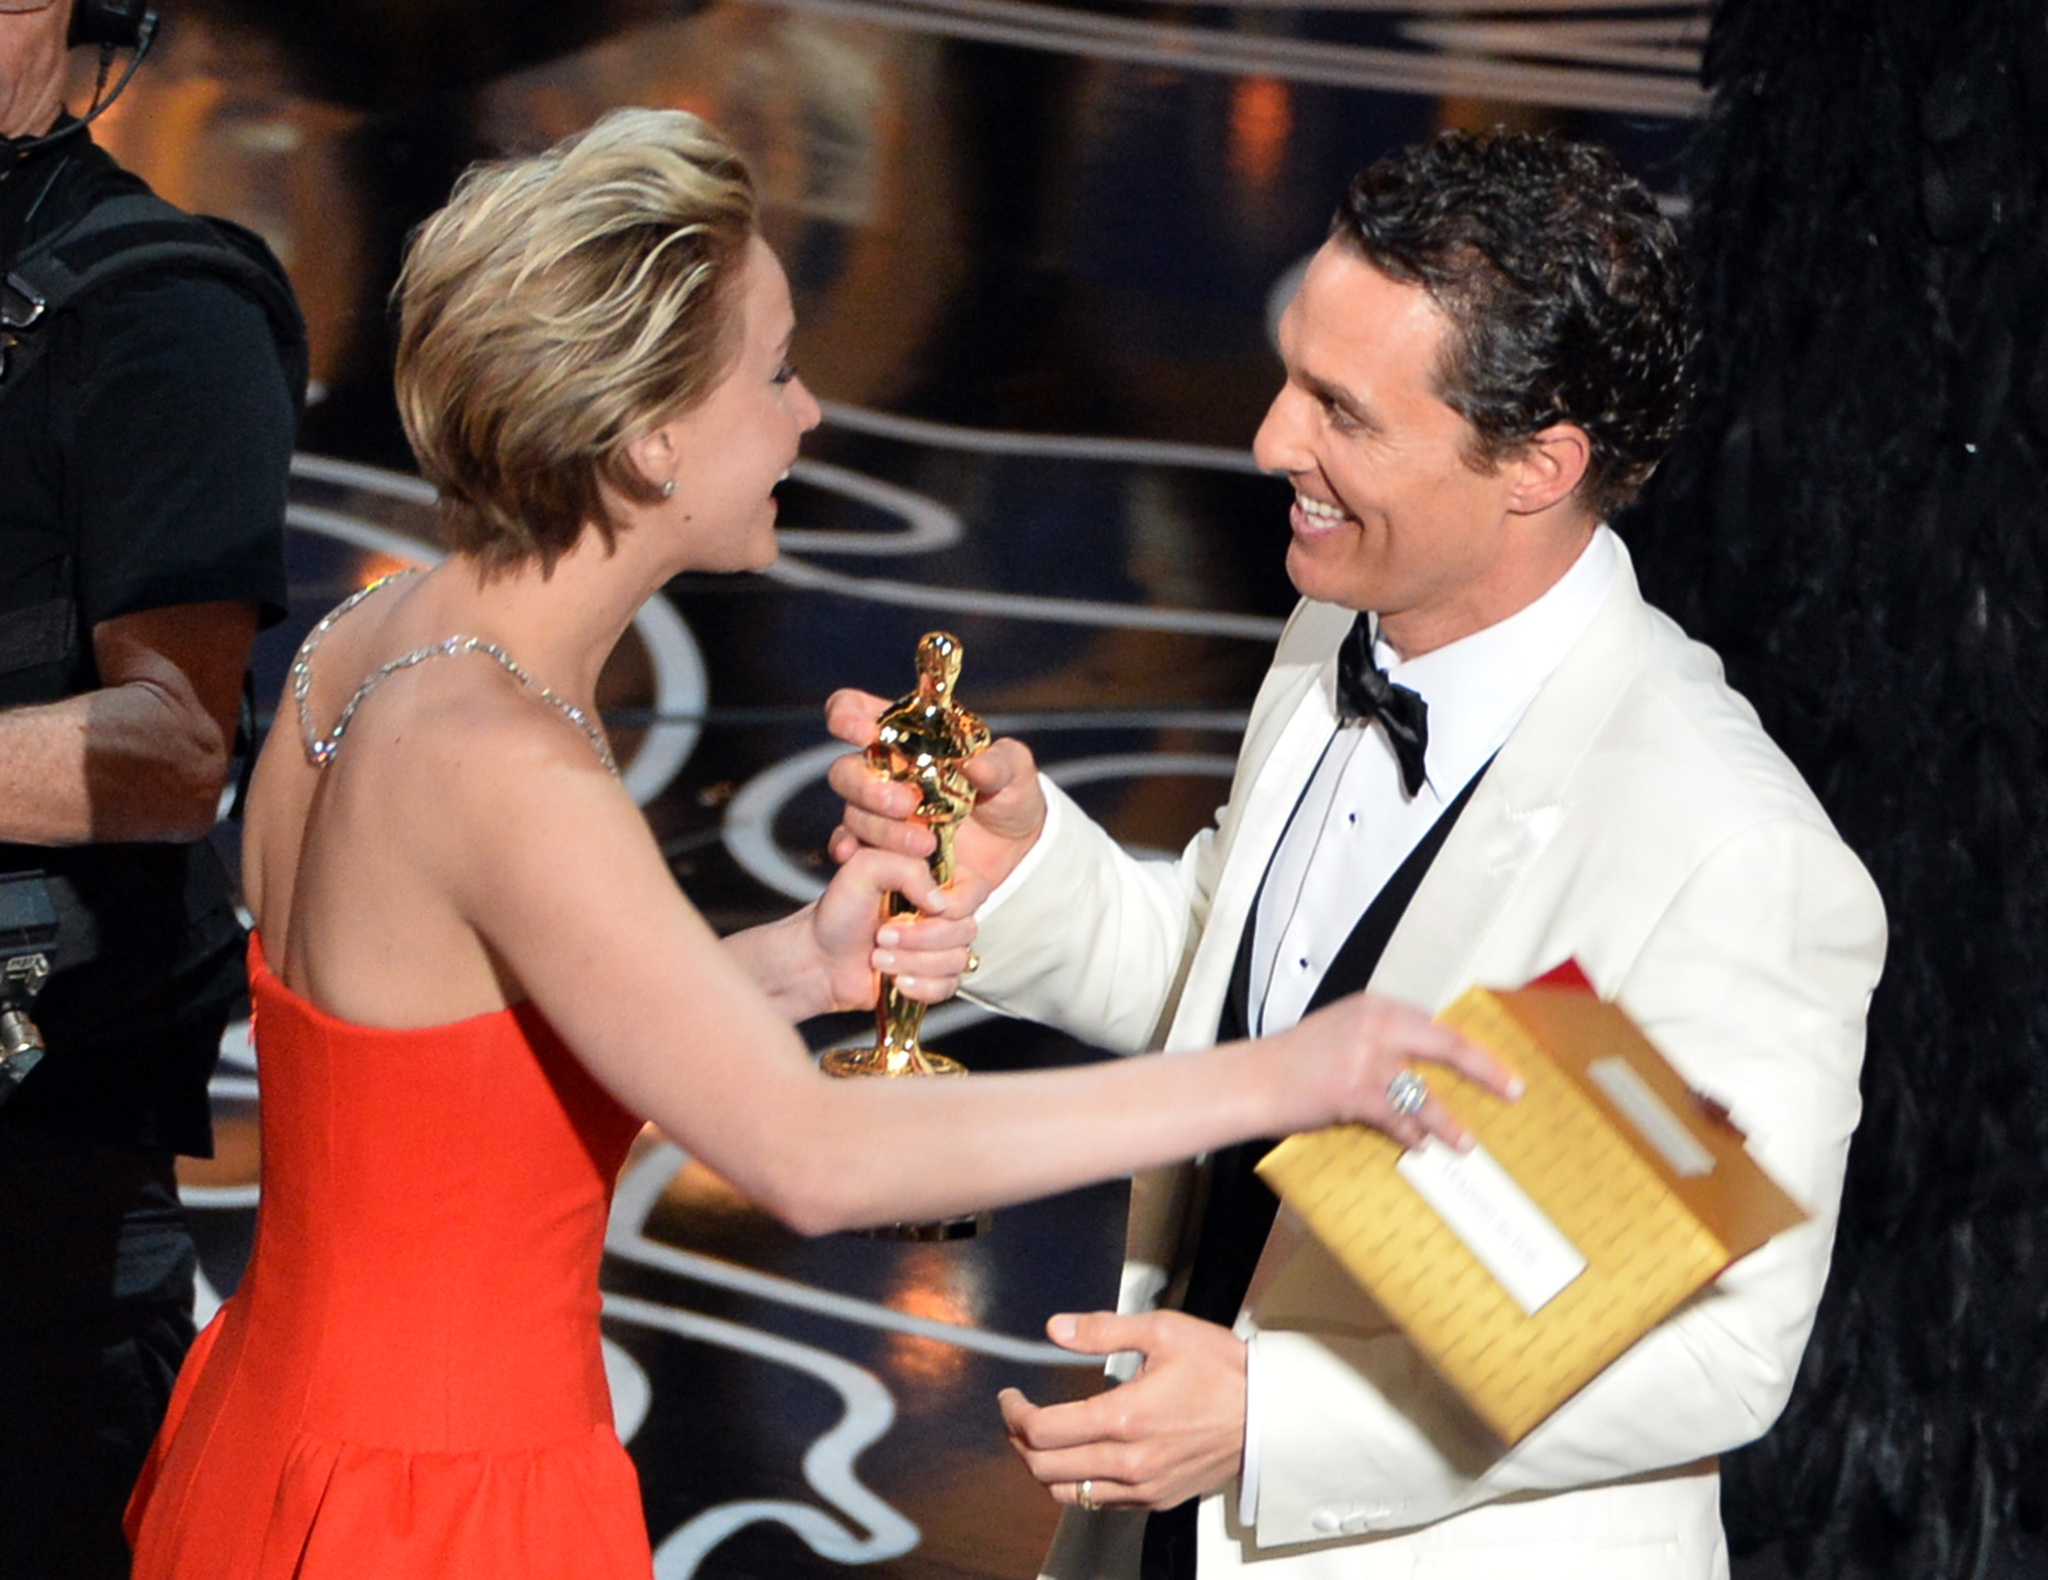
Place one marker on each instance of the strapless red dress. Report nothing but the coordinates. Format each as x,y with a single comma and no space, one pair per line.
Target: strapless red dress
408,1382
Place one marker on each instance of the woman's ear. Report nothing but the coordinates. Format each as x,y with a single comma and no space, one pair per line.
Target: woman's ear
1550,465
657,457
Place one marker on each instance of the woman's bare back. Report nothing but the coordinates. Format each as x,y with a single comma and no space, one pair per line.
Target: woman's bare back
353,866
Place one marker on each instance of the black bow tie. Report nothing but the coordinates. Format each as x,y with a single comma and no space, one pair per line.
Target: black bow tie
1364,693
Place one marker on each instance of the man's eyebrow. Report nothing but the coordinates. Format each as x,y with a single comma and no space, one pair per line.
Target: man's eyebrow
1338,396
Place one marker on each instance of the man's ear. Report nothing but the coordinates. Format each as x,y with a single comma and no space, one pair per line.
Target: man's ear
1548,467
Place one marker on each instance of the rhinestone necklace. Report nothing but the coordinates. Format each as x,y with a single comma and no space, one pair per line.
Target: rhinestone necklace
320,749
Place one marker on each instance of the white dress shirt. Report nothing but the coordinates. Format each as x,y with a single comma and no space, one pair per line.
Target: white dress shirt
1356,823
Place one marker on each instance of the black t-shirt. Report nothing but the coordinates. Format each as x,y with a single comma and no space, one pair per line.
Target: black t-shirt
143,464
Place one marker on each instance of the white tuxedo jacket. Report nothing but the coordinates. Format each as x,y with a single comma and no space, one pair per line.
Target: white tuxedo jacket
1640,821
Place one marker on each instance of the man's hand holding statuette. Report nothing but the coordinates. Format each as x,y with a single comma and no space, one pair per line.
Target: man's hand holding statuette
1009,808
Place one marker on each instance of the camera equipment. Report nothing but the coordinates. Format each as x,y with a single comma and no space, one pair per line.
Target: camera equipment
21,307
28,935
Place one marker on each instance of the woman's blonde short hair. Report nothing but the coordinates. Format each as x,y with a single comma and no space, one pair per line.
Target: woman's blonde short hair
558,308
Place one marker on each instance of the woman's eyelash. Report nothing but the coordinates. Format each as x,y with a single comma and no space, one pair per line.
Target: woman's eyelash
786,373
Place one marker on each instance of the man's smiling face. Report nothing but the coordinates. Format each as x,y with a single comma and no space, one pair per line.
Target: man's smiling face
1388,514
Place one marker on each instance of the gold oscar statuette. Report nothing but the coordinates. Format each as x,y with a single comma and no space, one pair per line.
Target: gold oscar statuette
923,739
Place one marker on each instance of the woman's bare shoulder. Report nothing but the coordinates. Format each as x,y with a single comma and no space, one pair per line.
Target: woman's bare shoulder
471,760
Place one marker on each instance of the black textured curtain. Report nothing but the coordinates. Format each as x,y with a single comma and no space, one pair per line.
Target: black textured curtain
1857,521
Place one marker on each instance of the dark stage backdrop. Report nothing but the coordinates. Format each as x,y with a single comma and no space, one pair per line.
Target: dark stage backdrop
1857,522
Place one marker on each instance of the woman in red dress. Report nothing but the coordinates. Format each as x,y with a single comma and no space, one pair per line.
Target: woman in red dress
475,973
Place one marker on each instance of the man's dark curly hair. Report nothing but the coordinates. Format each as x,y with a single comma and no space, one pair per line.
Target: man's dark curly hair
1563,285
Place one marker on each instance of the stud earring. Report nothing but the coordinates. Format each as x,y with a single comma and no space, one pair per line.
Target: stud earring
668,489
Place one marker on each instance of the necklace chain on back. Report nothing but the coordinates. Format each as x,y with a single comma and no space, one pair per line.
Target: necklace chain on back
320,749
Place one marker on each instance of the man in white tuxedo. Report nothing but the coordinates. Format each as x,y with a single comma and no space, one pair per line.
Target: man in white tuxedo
1478,754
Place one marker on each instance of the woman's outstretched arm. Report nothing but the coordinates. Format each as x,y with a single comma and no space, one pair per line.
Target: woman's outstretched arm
557,870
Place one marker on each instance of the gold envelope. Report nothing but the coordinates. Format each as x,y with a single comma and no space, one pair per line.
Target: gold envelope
1647,1180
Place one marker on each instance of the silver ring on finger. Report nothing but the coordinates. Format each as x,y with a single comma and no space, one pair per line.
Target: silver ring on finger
1086,1495
1406,1093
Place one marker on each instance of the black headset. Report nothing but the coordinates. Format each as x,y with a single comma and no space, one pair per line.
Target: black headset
110,24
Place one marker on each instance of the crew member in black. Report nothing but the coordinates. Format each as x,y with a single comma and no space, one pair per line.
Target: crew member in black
143,457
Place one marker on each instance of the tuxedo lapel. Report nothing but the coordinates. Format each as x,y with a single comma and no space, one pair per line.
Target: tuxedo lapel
1279,759
1518,809
1292,722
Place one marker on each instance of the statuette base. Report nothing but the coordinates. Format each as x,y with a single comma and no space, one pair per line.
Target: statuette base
887,1062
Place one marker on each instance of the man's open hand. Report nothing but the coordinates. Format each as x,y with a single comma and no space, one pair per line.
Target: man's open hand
1171,1433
